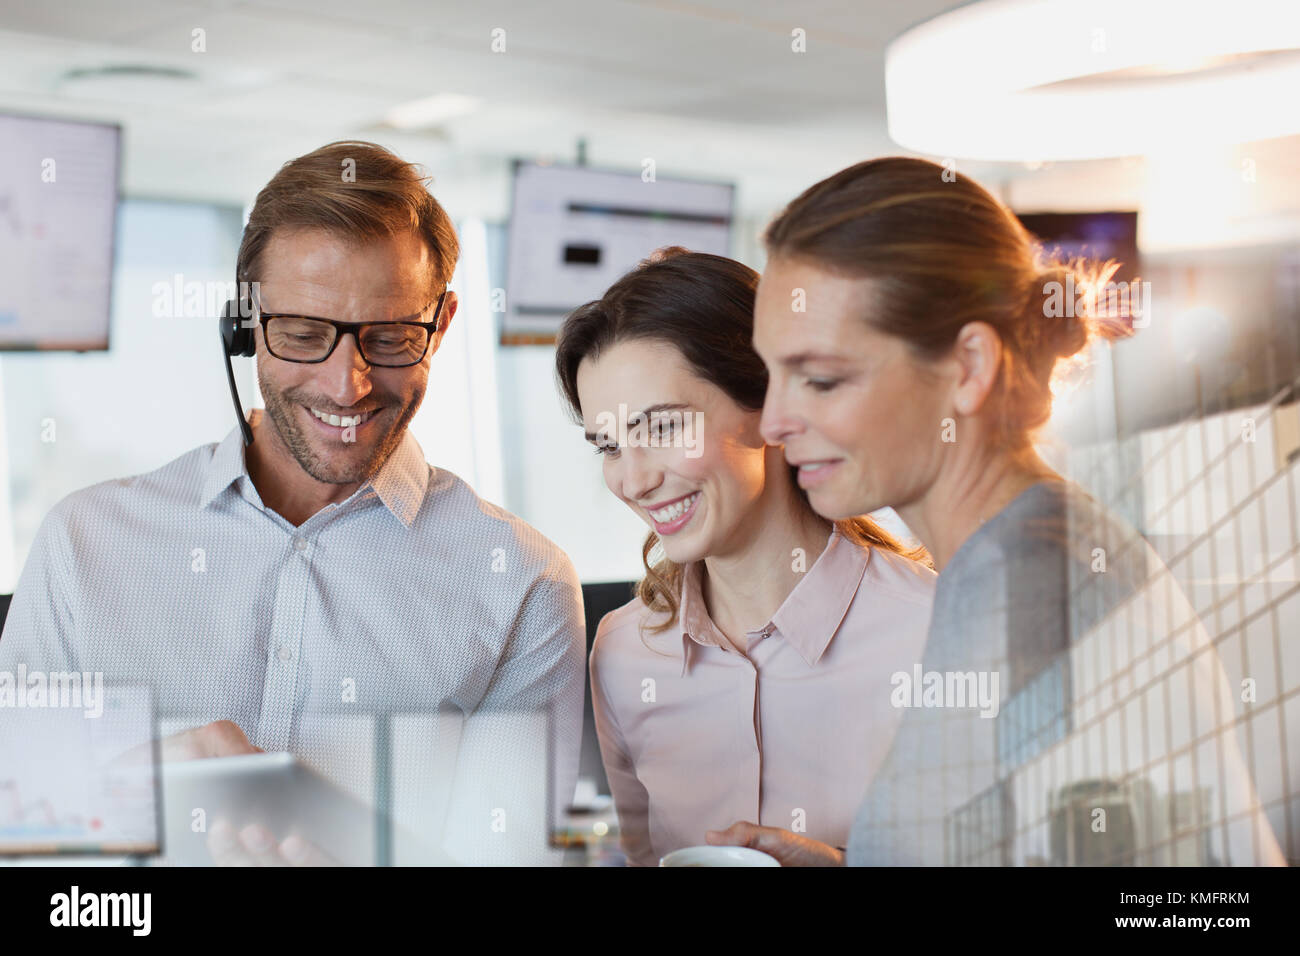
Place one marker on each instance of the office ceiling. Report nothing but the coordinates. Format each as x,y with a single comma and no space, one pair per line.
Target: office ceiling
703,87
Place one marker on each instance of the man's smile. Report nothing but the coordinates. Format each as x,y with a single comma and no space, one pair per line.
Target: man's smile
344,420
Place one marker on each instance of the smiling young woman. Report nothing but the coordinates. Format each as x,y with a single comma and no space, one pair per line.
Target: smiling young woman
734,681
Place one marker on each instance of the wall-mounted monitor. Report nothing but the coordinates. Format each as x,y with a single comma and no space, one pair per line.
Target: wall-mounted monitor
58,215
1093,235
574,230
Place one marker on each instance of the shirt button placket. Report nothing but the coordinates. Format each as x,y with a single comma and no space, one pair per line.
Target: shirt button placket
279,692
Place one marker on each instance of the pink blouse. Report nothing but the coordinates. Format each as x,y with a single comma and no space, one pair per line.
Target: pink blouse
696,736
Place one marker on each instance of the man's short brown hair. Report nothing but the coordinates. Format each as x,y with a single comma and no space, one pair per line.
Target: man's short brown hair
358,191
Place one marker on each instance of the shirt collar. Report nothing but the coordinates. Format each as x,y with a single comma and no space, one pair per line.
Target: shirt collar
224,469
810,614
818,604
696,625
400,483
403,479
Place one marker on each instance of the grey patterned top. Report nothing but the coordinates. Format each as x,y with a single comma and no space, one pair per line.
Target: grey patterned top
1068,709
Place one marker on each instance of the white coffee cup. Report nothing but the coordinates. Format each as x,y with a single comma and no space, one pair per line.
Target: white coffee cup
718,856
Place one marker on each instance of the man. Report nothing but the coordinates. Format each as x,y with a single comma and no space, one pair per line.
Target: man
276,596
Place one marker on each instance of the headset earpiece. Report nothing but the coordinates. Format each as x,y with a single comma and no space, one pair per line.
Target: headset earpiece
236,331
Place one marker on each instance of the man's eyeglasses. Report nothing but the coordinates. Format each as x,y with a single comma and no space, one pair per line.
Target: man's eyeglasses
304,338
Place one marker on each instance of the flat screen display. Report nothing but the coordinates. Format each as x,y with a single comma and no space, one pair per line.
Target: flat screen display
574,230
58,214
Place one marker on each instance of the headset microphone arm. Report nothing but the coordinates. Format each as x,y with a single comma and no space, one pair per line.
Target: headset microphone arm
234,397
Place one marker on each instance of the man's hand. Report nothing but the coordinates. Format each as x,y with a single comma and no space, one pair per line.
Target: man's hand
255,845
221,738
790,849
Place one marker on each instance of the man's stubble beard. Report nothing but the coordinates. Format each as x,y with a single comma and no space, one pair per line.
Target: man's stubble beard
279,408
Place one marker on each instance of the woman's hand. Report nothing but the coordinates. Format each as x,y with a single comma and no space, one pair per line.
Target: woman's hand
790,849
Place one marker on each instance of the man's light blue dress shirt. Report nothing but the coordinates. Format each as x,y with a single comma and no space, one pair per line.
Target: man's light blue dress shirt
414,598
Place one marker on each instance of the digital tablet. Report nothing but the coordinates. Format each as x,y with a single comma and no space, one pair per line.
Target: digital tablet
273,790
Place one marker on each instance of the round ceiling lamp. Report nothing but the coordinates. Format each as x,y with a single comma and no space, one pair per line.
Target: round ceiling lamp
1038,80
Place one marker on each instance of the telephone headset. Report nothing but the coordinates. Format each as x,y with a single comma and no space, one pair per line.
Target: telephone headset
238,339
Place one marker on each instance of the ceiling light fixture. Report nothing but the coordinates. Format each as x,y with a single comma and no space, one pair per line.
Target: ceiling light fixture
419,114
1039,80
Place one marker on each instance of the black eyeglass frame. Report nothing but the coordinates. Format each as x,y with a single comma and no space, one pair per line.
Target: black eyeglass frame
343,328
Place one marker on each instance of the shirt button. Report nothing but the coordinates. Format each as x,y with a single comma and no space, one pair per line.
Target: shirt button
300,544
284,653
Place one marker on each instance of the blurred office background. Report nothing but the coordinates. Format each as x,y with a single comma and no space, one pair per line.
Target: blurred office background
1190,429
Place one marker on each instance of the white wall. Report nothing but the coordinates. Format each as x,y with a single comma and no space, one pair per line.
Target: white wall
553,476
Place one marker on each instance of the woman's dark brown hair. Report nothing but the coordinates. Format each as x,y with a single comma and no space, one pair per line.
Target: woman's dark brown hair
702,305
943,252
